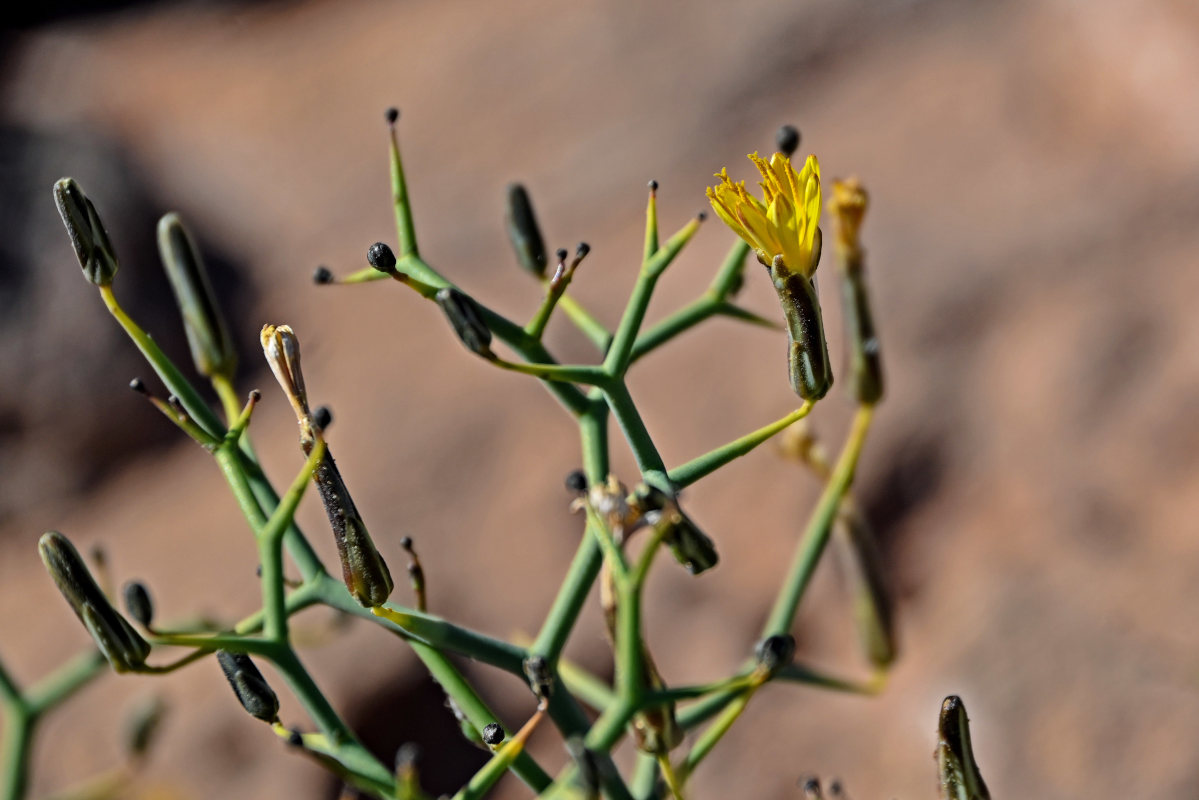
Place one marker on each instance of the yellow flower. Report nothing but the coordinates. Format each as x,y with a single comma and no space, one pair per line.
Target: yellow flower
785,222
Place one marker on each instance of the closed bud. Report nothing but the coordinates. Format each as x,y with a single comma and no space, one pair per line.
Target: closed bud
690,546
88,237
322,276
865,360
493,734
381,257
252,690
576,482
365,572
207,336
138,603
463,314
787,140
117,640
523,231
807,356
775,652
811,788
960,777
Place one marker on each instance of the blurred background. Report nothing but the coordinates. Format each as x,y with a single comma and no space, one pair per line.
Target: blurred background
1034,174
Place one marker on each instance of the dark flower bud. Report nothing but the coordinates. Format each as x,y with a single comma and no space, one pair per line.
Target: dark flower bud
690,546
88,237
787,140
207,336
251,688
463,314
322,275
295,738
365,572
392,115
117,640
811,788
960,777
524,232
576,482
775,652
493,734
537,670
322,418
380,257
138,603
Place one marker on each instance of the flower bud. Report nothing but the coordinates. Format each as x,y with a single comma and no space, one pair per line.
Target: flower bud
88,237
523,231
576,482
787,140
256,697
207,336
865,367
775,652
282,351
365,572
322,276
493,734
807,356
691,547
138,603
117,640
960,778
381,257
463,314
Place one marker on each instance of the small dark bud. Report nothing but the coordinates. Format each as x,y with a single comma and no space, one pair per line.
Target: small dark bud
464,316
787,139
117,640
576,482
523,231
393,115
582,250
406,542
690,546
295,738
138,603
701,216
562,253
380,256
811,788
322,418
493,734
255,395
322,275
653,186
537,670
139,386
88,237
252,690
775,652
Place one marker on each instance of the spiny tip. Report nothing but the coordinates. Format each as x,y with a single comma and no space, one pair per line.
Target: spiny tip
392,114
653,186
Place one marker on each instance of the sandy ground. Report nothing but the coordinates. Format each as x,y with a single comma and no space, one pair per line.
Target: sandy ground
1034,170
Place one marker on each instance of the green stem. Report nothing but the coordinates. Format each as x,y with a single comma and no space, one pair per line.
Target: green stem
702,466
170,375
585,374
714,732
63,682
811,546
14,754
595,331
564,613
653,470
